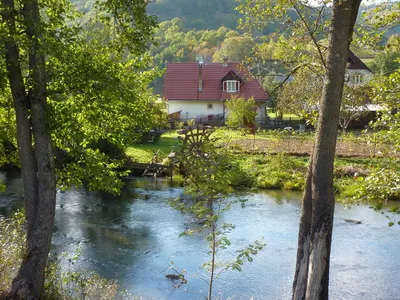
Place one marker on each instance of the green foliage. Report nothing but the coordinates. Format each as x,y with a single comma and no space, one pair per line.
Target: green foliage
66,283
386,62
95,169
241,112
301,95
353,104
381,185
8,153
386,92
206,14
133,27
12,241
236,48
384,16
247,254
276,171
97,84
173,43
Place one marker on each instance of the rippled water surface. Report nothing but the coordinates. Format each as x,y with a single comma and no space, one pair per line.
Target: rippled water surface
134,238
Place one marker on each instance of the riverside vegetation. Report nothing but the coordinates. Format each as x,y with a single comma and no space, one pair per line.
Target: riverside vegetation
365,170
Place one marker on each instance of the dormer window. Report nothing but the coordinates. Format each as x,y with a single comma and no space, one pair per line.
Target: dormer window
231,86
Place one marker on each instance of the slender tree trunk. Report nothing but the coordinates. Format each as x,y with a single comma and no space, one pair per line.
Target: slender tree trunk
315,234
34,146
213,254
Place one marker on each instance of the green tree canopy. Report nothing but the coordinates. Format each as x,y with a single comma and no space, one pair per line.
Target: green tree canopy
241,112
236,49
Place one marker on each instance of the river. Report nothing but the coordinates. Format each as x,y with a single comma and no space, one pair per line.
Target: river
134,238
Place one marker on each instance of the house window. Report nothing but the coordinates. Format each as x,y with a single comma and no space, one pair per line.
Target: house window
231,86
358,79
209,106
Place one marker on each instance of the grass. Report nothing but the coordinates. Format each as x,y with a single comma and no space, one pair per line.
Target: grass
143,153
293,117
265,141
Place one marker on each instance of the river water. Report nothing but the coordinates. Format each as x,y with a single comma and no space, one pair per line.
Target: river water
134,238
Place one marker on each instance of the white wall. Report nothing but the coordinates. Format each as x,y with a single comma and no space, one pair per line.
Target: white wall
195,108
364,73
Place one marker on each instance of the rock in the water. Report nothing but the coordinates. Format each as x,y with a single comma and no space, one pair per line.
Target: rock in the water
352,221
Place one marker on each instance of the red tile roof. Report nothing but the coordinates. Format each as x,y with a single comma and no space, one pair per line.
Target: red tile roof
181,82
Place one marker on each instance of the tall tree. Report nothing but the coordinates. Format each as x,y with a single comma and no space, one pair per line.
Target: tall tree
315,234
34,145
30,31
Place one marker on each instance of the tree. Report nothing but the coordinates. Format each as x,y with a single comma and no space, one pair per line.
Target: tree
235,48
354,105
209,173
30,32
385,85
300,97
386,92
388,60
315,234
241,112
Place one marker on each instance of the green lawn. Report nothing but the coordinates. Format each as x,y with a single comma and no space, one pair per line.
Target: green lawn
144,152
293,117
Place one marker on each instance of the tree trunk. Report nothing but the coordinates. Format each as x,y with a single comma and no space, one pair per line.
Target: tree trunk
34,146
315,234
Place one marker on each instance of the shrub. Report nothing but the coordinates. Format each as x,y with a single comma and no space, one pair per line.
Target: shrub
12,241
381,185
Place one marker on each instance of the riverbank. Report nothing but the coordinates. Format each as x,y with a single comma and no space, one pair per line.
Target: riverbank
363,170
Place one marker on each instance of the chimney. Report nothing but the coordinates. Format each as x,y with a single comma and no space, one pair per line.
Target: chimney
200,76
226,61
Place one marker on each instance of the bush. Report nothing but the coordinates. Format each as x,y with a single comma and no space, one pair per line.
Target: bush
77,284
12,241
381,185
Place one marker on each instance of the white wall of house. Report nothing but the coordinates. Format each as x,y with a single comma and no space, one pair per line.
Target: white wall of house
261,110
193,109
358,77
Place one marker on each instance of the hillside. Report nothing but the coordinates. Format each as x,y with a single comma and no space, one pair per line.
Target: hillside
195,14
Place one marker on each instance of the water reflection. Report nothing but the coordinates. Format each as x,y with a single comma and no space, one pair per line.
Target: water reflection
135,237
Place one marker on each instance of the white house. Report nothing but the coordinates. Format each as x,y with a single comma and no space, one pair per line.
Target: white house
199,90
357,72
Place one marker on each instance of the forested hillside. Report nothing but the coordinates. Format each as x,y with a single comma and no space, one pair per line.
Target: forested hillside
195,14
208,14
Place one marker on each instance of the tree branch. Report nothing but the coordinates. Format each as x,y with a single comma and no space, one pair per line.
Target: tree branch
310,32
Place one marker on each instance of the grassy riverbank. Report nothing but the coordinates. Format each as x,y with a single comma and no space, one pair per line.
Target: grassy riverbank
279,159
